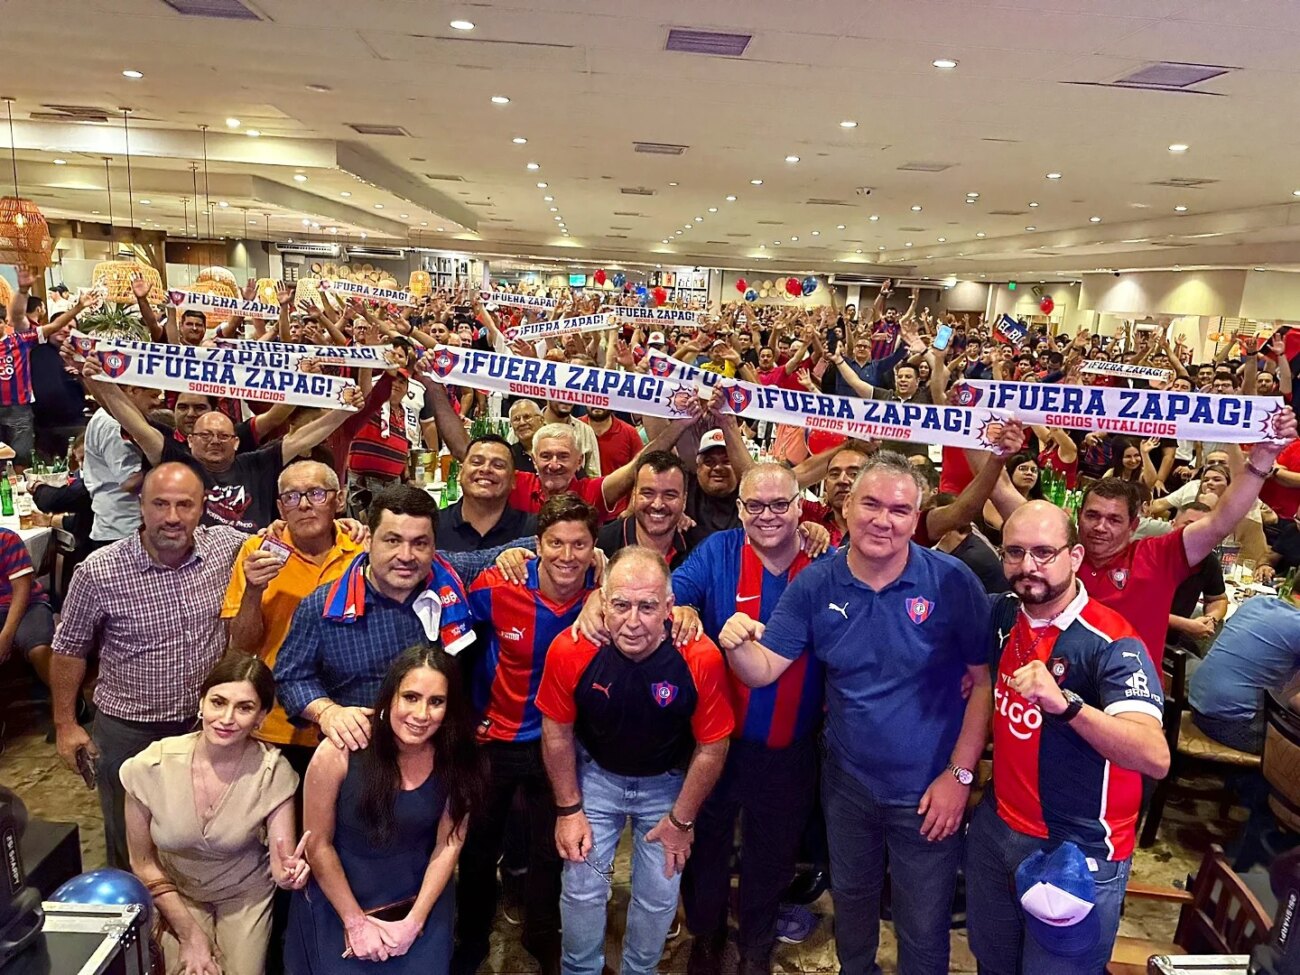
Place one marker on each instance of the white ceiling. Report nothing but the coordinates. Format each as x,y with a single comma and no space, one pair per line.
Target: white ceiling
587,78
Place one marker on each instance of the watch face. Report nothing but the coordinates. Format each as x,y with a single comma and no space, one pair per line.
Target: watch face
964,776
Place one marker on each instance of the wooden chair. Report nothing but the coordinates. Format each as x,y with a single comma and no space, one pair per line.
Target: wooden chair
1191,750
1220,916
1282,761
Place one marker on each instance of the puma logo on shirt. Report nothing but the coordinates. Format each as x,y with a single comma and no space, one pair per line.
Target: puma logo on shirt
842,610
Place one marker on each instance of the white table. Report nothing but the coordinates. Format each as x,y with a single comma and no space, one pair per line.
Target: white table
38,542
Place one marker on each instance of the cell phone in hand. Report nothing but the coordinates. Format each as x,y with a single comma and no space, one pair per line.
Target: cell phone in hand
942,336
88,766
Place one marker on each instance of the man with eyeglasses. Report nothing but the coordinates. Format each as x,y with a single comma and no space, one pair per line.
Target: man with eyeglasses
897,629
241,488
634,728
771,770
1076,725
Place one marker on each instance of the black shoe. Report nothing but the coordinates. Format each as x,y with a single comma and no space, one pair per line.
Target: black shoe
706,956
807,886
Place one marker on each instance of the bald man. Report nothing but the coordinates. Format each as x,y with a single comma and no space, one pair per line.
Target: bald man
1076,724
151,604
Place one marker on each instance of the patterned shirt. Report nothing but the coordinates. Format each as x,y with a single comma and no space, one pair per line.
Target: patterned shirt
16,562
158,629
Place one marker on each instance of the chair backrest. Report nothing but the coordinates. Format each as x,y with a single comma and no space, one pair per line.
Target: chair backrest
1224,917
1175,677
1282,761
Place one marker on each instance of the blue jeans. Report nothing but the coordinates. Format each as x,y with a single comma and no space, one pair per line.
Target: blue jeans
610,801
18,428
994,919
923,877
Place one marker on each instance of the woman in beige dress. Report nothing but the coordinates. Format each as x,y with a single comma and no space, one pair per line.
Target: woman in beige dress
210,827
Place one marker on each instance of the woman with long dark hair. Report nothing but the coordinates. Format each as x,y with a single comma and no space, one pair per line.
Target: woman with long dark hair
387,824
1023,470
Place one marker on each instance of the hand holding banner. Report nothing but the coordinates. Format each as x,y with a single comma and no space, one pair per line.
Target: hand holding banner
1126,370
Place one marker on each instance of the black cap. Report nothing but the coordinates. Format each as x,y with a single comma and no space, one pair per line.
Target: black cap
61,288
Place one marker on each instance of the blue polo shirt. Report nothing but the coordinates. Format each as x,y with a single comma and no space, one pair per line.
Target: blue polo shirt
1257,652
894,663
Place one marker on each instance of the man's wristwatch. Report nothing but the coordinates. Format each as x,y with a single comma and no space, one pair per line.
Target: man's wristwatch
963,775
684,827
1073,705
568,810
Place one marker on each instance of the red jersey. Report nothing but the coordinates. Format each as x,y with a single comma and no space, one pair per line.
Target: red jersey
617,445
381,447
1282,499
1139,584
956,472
527,496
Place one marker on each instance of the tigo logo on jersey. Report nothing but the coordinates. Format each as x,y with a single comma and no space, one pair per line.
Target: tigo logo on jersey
918,609
1119,577
664,693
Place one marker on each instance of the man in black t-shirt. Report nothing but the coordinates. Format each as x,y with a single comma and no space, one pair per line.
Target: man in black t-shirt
711,495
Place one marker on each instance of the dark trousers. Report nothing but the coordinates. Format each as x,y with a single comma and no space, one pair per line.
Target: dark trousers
298,757
512,766
923,878
117,741
771,790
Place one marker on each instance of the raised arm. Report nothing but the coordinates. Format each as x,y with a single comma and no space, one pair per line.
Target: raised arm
113,398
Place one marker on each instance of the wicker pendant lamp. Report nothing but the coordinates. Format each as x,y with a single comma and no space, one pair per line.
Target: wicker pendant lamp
24,234
420,284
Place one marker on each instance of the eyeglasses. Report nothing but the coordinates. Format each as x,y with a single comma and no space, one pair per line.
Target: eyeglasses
606,872
779,506
292,499
1041,554
212,437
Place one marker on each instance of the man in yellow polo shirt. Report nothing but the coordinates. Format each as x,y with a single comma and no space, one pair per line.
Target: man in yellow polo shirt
271,578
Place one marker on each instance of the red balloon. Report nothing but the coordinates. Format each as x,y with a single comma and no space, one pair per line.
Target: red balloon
741,286
600,277
793,286
819,440
1046,305
659,295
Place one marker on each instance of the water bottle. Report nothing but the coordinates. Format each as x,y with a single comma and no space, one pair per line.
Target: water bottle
6,497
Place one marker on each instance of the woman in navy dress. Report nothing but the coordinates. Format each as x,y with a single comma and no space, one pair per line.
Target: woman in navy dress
387,823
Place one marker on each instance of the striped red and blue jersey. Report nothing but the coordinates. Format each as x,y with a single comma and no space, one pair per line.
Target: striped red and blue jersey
1048,782
519,624
16,367
16,562
713,580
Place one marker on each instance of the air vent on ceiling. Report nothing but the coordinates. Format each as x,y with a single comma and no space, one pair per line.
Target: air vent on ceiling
720,243
367,128
740,235
225,9
627,213
383,253
1184,182
445,177
1172,243
637,191
308,249
913,230
87,116
771,223
1007,213
717,43
616,236
478,203
990,138
924,167
620,228
659,148
1171,74
827,203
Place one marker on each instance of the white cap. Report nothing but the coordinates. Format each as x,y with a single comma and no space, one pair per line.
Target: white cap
656,338
714,438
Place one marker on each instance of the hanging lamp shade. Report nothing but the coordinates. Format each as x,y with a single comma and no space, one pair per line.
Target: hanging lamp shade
218,274
24,234
420,284
6,293
115,276
266,291
307,289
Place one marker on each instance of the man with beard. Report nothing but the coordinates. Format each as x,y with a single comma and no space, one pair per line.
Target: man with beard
617,440
558,412
655,511
1076,724
771,769
482,519
252,433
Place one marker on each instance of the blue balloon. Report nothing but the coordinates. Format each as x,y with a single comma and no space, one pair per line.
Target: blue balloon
642,290
107,886
751,295
619,279
809,285
645,298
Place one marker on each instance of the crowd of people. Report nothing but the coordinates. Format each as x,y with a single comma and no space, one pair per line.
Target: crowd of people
730,636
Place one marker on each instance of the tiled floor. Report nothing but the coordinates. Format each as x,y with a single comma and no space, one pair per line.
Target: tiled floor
31,767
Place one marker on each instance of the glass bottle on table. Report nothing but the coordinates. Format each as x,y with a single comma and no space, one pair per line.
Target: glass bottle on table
22,502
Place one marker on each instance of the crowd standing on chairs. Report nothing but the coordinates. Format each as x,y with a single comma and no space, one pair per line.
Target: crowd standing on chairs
724,636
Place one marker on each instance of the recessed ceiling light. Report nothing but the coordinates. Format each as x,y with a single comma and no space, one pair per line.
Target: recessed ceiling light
363,235
306,223
1179,147
1180,209
664,241
916,208
1032,204
848,124
558,219
334,230
943,240
980,234
132,74
1053,175
713,209
519,140
816,233
1031,228
424,223
908,244
319,89
1094,220
500,100
874,217
461,25
839,226
534,166
541,186
345,194
794,238
972,196
232,123
686,226
555,209
946,64
438,229
792,159
731,199
96,212
223,204
672,184
60,162
299,178
678,233
970,200
776,243
252,133
756,182
145,202
699,219
858,251
379,206
403,216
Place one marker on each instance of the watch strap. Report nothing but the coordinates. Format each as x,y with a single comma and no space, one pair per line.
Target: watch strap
683,826
568,810
1074,704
